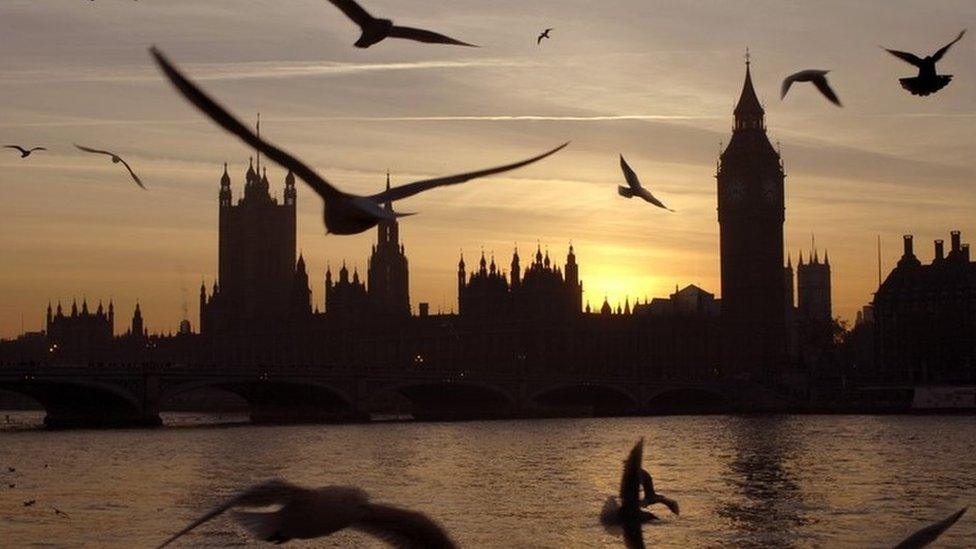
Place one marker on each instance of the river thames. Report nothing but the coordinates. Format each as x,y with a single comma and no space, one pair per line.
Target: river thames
742,481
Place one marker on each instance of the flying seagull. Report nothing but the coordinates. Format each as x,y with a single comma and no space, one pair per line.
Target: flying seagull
928,81
115,160
627,513
927,535
545,34
375,29
307,513
634,187
60,512
24,153
817,77
30,502
344,213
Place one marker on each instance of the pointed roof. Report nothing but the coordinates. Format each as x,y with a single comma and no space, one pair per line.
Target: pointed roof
225,179
748,100
389,205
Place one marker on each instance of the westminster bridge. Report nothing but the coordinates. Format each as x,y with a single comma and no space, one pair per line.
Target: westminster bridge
77,395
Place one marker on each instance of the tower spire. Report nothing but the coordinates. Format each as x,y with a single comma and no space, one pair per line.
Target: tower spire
258,128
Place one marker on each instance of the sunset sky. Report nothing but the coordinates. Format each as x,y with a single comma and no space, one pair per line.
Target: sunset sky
654,80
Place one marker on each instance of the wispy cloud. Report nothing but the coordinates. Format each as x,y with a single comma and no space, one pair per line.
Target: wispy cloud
244,71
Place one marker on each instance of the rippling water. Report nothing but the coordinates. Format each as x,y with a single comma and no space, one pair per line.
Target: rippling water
786,481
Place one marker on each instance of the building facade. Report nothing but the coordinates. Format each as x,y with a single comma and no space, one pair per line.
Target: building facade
925,317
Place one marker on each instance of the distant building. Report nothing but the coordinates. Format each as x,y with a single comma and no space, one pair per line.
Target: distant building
256,256
388,275
925,317
542,291
82,330
690,301
345,299
813,288
751,212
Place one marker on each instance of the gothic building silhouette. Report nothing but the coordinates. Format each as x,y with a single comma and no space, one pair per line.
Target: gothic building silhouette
543,291
256,256
751,212
813,288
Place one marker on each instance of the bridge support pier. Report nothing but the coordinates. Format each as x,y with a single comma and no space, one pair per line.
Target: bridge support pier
76,419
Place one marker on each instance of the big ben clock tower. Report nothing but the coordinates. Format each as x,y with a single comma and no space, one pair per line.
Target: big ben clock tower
751,212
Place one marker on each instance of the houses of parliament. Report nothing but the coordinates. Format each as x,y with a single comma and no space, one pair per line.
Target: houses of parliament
524,315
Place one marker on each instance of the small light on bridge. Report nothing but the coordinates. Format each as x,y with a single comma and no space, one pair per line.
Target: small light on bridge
418,359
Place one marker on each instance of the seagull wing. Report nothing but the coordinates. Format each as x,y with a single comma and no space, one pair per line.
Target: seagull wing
95,151
671,504
929,534
787,82
410,189
824,87
18,147
905,56
938,55
647,484
227,121
630,479
402,528
630,176
268,493
132,173
539,40
38,149
353,11
423,35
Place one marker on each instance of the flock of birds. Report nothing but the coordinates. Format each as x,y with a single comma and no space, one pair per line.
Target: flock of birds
346,213
308,513
305,513
32,502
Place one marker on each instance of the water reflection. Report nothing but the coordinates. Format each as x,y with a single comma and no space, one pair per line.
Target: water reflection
766,507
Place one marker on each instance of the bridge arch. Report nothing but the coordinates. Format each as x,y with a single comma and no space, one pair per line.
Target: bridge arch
456,400
688,400
590,399
70,402
278,401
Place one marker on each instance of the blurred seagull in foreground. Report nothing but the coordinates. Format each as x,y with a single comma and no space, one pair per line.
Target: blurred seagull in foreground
344,213
817,77
375,29
544,34
115,160
305,513
627,513
24,153
928,81
635,188
929,534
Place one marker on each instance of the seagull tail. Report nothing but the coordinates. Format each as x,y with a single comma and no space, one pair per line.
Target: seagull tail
402,214
625,192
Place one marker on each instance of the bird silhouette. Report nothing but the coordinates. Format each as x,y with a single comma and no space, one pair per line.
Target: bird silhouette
544,34
930,533
375,29
634,187
30,502
307,513
625,512
24,153
344,213
11,485
817,77
115,160
12,469
928,80
59,512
